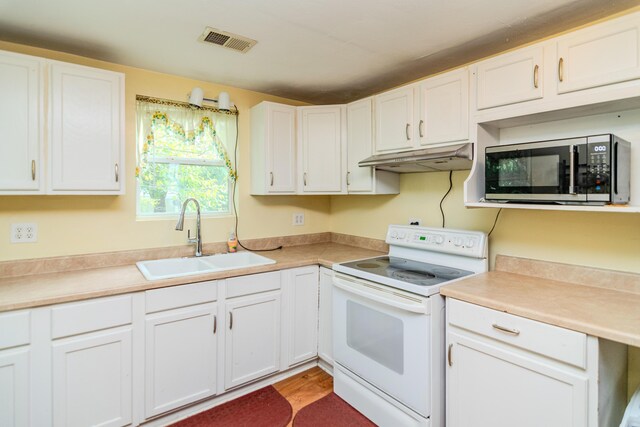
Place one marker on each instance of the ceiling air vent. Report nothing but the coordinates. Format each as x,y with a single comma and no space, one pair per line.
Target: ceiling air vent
228,40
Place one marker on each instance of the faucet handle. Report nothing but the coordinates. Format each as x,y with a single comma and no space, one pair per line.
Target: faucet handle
191,239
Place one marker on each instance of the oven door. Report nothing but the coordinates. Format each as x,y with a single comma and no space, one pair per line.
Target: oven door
537,171
382,335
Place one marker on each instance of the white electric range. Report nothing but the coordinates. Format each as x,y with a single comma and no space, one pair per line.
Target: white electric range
388,323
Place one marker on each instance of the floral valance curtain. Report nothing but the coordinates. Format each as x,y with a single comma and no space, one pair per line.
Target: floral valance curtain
184,134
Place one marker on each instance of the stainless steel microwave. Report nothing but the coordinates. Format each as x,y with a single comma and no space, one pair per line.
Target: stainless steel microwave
584,170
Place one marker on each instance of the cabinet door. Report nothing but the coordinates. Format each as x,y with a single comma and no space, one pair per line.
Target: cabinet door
92,379
281,148
252,340
394,119
510,78
303,314
14,387
359,145
321,145
20,167
86,130
325,323
180,357
444,112
490,386
599,55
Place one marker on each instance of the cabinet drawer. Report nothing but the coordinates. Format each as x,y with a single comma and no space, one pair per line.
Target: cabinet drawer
180,296
253,284
14,329
551,341
88,316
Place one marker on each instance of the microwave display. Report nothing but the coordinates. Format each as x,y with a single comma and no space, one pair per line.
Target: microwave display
593,169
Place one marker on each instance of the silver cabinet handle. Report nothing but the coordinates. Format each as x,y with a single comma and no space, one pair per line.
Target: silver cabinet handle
215,324
33,170
117,175
271,174
449,355
348,173
304,179
406,130
506,330
230,320
420,128
561,69
535,76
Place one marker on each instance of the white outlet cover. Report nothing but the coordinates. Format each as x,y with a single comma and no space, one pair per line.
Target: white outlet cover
24,232
298,218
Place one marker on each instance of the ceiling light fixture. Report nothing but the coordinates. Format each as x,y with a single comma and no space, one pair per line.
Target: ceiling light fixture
197,96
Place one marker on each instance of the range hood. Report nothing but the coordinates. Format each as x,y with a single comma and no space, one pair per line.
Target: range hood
451,157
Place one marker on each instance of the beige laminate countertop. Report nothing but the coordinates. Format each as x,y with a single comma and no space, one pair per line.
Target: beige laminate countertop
601,312
44,289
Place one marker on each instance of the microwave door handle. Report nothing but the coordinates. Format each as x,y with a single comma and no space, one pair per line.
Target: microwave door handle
614,167
572,169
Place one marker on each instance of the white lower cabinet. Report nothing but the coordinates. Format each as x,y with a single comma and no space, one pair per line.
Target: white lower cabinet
92,379
504,370
14,387
302,320
15,368
91,362
325,316
252,337
181,336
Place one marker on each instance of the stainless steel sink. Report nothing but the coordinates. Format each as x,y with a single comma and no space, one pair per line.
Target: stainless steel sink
178,267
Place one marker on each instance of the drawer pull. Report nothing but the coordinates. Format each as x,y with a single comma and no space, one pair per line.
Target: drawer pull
420,127
117,173
215,324
449,355
406,131
506,330
230,320
33,170
271,174
535,76
348,183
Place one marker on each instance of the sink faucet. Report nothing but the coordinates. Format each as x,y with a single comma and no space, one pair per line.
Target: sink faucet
180,225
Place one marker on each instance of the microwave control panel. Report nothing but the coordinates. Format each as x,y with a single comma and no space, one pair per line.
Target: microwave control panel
599,167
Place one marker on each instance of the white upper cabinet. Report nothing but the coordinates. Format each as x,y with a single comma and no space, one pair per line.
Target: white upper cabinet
510,78
444,108
20,124
86,130
273,149
365,180
395,120
321,142
603,54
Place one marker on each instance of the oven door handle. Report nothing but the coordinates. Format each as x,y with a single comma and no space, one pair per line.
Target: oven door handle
373,293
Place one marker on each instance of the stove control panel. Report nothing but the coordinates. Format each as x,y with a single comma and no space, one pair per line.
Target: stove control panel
460,242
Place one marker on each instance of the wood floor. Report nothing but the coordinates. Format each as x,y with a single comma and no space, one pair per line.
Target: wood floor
305,388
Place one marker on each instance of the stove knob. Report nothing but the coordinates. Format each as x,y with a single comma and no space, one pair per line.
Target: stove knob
457,241
439,240
394,234
402,235
470,243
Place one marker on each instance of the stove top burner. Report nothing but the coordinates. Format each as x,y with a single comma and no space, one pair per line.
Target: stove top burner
405,270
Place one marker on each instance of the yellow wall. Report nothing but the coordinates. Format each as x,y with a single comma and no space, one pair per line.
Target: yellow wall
85,224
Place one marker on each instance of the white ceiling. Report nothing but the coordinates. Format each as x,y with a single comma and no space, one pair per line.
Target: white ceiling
318,51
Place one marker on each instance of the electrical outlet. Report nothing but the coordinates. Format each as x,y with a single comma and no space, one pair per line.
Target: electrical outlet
24,233
298,218
415,221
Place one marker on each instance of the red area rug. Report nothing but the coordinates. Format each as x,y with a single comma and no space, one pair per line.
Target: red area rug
262,408
330,411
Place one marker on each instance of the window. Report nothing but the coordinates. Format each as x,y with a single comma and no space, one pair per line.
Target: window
182,153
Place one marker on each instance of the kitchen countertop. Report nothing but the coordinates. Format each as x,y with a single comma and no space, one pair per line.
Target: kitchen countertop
608,308
53,288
